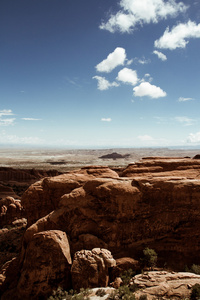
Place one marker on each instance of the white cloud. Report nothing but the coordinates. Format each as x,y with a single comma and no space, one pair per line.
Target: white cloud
6,112
31,119
160,55
142,61
182,99
7,122
103,84
139,12
106,119
16,140
185,120
145,138
147,89
128,76
114,59
178,36
194,137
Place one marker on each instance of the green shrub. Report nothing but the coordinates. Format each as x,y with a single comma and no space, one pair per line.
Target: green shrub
195,294
195,269
123,292
150,258
127,275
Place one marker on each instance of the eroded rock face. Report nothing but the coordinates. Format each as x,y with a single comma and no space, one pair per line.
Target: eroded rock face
10,210
44,196
165,285
90,268
46,265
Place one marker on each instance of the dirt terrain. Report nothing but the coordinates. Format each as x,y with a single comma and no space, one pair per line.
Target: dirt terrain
66,160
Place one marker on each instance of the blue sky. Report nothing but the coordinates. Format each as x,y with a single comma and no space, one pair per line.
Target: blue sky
99,73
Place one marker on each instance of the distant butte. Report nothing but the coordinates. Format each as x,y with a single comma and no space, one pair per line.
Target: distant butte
114,155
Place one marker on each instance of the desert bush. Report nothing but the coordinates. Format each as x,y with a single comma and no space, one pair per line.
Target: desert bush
150,257
126,276
123,292
195,269
195,294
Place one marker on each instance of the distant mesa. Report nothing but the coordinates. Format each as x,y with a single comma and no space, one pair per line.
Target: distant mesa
196,156
114,155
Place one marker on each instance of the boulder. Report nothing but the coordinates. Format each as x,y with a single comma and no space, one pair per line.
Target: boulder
10,210
46,265
90,268
44,196
165,285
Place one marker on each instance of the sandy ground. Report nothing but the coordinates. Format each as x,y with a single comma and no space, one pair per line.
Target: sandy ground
65,160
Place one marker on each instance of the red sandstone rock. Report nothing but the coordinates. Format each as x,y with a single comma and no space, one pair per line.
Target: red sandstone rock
44,196
165,285
10,210
90,268
46,265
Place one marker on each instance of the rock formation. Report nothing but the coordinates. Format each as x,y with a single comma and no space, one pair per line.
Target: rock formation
165,285
153,203
114,156
90,268
10,210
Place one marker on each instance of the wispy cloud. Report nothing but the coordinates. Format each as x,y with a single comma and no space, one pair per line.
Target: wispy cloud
30,119
185,121
133,13
6,121
6,112
149,90
114,59
160,55
178,36
182,99
16,140
142,61
103,84
106,119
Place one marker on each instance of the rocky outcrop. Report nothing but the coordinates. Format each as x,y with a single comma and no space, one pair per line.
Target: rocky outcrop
10,210
114,156
156,207
160,167
44,196
123,265
165,285
90,268
46,265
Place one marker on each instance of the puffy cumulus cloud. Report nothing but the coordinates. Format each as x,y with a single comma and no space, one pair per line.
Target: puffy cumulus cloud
128,76
114,59
182,99
106,119
160,55
194,138
134,12
103,84
178,36
150,90
31,119
185,120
